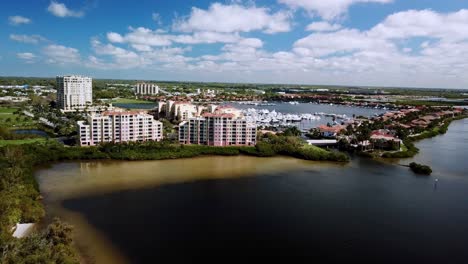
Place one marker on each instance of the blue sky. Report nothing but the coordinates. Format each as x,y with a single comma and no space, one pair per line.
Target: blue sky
417,43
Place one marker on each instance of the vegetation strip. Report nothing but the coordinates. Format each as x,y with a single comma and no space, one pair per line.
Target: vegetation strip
411,149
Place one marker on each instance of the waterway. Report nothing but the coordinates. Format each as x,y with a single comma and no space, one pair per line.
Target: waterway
243,208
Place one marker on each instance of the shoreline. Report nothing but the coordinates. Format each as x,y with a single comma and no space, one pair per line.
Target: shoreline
412,150
49,153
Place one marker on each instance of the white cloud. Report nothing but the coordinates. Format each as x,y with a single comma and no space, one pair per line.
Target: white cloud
328,9
156,18
61,54
112,57
121,58
32,39
61,10
115,37
206,37
140,36
140,47
423,23
18,20
234,18
28,57
410,48
322,26
343,41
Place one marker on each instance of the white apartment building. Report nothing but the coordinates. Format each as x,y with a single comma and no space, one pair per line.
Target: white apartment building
74,92
146,89
224,127
118,127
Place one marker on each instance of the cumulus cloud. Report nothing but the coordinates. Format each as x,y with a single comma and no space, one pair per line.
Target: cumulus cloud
409,48
31,39
18,20
423,23
28,57
115,37
327,9
234,18
206,38
140,36
61,10
120,58
322,26
61,54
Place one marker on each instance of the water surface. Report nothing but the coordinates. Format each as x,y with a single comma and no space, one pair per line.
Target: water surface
236,208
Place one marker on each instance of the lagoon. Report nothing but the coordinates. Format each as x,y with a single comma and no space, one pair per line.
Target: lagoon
214,208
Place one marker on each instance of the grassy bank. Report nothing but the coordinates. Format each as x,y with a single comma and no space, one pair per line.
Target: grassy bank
20,202
22,141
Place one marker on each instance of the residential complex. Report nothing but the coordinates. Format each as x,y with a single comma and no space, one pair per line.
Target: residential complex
119,126
74,92
225,127
146,89
181,110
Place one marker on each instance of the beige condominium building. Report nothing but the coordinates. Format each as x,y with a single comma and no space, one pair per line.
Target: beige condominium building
225,127
118,127
74,92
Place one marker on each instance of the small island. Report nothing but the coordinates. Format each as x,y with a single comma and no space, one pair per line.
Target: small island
420,168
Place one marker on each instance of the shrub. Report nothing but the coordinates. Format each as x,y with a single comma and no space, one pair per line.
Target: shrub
420,169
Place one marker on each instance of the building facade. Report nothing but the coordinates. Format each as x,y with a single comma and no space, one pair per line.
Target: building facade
118,127
218,129
74,92
146,89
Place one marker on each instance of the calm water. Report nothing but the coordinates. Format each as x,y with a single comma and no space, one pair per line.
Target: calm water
308,108
30,131
280,208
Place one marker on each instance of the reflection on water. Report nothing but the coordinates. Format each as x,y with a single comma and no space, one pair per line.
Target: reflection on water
196,209
68,179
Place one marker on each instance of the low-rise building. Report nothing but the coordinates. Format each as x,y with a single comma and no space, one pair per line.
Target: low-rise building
330,131
385,139
119,126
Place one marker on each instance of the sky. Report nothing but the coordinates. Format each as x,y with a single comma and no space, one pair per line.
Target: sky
397,43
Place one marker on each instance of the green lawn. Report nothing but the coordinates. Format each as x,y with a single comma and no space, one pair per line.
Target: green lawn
7,110
11,120
21,141
131,101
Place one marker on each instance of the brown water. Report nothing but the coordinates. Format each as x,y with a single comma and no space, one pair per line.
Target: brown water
367,210
69,180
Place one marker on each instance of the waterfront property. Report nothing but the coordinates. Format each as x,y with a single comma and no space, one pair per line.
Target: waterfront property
181,110
224,127
385,139
330,131
74,92
119,126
